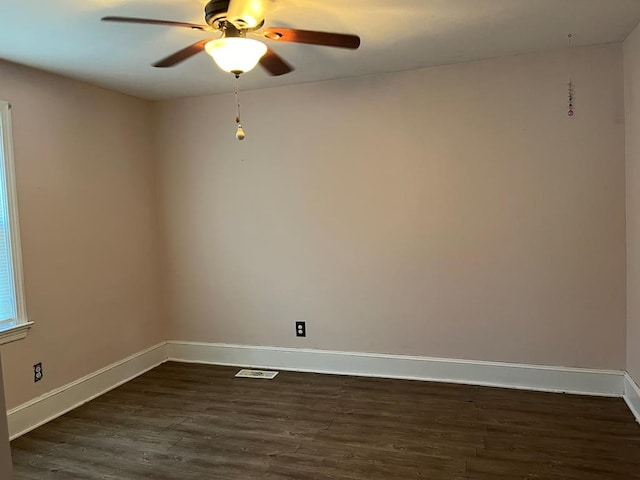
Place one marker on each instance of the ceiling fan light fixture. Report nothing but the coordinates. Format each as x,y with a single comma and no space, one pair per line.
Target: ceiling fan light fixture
236,54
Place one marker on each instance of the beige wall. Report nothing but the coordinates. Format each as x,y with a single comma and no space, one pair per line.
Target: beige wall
632,97
5,451
86,193
452,211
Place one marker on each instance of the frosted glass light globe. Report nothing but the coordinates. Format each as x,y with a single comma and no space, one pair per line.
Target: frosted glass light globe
236,54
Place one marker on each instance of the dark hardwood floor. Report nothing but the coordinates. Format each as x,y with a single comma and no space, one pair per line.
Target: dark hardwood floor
182,421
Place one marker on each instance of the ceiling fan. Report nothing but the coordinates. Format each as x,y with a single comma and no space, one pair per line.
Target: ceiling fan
233,50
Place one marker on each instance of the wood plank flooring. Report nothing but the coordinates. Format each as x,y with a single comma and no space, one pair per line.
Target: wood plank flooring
184,421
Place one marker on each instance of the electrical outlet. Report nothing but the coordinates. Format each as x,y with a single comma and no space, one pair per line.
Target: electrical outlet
37,372
301,329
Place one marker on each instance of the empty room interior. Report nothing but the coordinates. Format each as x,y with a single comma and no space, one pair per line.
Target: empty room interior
298,240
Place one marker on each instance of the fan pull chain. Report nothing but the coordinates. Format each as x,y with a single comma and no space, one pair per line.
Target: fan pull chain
239,131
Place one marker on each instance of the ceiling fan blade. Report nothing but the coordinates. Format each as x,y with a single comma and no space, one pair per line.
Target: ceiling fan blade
274,64
327,39
182,55
149,21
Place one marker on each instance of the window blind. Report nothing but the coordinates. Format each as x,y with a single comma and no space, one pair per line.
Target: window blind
8,315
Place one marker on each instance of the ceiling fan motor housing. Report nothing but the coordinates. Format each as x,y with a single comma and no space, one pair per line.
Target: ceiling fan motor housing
215,13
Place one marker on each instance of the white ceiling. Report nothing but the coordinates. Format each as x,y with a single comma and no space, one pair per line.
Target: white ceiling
67,37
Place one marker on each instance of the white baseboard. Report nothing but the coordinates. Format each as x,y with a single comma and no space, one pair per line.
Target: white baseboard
45,408
508,375
632,395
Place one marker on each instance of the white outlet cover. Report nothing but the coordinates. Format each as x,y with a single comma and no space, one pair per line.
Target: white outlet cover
247,373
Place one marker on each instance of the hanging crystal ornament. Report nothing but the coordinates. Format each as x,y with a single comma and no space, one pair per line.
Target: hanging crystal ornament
572,104
571,112
239,130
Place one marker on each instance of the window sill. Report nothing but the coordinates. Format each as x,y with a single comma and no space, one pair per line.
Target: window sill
14,333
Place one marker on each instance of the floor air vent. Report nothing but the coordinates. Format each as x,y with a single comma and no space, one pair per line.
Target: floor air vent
245,373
